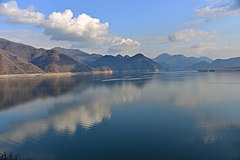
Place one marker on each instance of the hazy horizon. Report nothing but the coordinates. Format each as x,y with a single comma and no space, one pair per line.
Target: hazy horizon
116,54
197,28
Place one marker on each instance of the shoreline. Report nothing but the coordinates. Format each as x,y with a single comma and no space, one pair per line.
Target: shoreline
63,74
69,74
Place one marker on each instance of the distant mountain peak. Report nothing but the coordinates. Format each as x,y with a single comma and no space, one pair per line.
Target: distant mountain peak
138,55
120,56
219,64
179,61
165,54
180,55
137,62
126,56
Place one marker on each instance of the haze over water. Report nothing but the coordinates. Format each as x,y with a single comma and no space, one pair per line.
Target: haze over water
174,115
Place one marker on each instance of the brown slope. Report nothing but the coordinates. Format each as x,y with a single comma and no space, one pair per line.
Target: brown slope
47,60
81,56
12,64
53,61
21,50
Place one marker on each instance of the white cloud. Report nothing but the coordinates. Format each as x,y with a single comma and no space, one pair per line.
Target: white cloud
17,15
120,44
217,9
210,10
189,34
216,12
63,26
83,30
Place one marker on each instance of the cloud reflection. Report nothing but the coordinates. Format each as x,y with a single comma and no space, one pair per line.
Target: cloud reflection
202,96
66,112
211,98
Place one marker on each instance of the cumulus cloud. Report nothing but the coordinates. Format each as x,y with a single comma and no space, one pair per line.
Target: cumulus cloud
63,26
119,44
189,34
83,30
17,15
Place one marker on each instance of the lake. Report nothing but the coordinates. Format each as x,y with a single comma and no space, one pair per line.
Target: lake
167,116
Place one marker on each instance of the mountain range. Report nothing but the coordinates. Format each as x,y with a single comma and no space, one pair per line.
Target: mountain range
135,63
179,61
17,58
219,64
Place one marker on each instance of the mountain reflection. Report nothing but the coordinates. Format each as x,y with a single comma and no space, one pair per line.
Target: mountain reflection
33,106
15,91
63,108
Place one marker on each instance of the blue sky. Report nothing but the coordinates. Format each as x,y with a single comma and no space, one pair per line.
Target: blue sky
194,28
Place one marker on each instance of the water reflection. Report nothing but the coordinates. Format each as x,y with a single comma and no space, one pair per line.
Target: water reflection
213,99
62,109
15,91
30,107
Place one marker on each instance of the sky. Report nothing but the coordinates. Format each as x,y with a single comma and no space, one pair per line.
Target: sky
190,27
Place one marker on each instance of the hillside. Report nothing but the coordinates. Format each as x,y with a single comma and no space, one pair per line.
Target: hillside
38,60
135,63
81,56
52,61
12,64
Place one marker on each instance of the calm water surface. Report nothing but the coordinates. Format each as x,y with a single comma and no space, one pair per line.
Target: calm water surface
167,116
